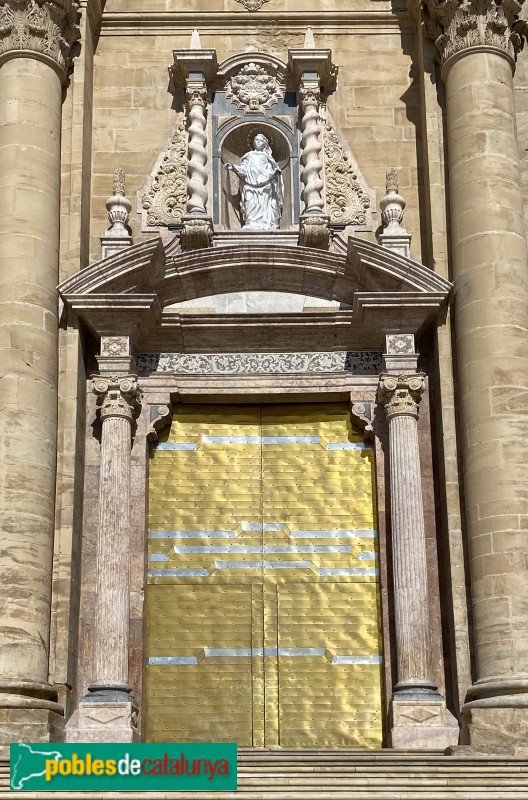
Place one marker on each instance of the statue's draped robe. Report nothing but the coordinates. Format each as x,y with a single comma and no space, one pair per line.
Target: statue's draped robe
261,191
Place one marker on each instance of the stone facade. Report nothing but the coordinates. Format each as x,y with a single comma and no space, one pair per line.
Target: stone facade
418,322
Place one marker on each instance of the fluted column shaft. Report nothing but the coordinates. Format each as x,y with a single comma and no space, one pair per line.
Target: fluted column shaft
312,194
119,397
197,148
401,395
34,53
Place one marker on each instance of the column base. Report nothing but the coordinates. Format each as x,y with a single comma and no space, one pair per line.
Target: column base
496,731
29,712
104,721
419,722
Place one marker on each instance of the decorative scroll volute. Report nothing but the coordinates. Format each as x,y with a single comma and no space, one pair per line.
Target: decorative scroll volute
401,394
457,25
48,29
165,200
118,396
348,198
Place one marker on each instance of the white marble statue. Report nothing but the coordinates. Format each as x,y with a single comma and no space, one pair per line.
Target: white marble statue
261,187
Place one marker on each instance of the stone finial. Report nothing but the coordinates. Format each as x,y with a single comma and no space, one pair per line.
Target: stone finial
49,29
195,40
119,207
401,394
458,25
394,236
309,41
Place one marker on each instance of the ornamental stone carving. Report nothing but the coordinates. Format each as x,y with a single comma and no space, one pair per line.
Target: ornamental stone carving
348,201
253,89
166,198
401,394
46,28
252,5
310,98
456,25
118,396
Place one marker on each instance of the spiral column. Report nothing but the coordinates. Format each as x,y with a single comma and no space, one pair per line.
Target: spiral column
197,148
311,146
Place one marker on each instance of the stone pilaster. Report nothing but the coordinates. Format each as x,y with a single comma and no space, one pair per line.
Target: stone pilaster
36,41
109,712
419,719
477,44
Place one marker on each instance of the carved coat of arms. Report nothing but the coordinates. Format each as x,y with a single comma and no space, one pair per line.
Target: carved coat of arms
254,89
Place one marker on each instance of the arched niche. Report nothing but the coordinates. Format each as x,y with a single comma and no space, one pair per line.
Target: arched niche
236,139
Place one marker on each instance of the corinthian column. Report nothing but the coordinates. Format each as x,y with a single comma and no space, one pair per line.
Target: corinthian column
36,41
478,43
419,719
119,398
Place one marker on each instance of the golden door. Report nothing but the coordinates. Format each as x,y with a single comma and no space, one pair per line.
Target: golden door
263,619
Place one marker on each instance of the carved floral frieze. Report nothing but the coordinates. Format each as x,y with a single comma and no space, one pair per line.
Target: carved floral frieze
236,363
254,89
164,201
46,28
456,25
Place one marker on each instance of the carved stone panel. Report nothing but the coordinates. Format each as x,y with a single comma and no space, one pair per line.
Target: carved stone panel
349,200
163,200
254,89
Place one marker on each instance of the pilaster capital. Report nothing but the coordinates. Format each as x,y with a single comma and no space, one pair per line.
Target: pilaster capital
459,25
47,28
401,394
310,94
117,395
196,93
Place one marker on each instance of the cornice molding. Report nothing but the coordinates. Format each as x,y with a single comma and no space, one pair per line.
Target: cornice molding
44,29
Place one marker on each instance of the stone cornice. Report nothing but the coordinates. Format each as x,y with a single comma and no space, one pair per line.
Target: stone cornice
45,29
456,26
401,394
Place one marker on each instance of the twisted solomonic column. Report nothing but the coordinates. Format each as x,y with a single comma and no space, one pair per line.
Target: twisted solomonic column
311,149
197,148
36,49
477,42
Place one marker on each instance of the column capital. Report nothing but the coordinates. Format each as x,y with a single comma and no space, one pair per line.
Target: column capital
401,394
196,93
118,395
459,25
46,28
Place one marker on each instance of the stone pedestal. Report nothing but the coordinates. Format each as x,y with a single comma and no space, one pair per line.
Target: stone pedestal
197,232
314,231
104,721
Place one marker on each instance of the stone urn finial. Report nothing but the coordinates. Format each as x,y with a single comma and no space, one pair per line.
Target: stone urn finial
392,205
394,235
119,208
118,235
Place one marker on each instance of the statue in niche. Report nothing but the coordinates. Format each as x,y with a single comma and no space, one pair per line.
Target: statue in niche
261,187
